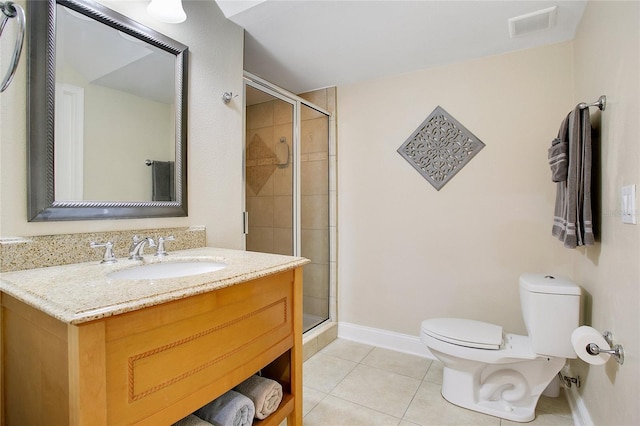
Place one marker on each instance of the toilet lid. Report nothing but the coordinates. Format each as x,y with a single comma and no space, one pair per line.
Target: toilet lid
464,332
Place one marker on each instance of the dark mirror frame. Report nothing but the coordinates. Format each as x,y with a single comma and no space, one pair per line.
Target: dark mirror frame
42,205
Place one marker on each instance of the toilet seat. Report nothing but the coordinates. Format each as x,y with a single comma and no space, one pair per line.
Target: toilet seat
464,332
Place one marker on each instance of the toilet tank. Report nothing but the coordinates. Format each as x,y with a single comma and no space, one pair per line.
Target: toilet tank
551,311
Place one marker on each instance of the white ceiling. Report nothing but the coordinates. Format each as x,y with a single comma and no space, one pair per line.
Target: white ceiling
303,45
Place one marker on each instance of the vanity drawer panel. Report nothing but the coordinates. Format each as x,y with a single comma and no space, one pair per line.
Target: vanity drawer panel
161,355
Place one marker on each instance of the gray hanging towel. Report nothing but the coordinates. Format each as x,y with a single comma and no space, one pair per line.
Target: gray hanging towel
559,154
162,177
573,222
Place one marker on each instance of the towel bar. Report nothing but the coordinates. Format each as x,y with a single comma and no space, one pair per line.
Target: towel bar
11,10
601,103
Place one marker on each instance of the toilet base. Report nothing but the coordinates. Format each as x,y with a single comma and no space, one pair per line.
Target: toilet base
510,391
500,409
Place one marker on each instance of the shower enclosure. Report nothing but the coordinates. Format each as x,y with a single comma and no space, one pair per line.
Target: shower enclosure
288,199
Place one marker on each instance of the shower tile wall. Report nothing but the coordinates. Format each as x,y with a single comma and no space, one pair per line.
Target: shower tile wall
269,190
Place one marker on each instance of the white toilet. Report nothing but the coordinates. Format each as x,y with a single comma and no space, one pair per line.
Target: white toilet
503,374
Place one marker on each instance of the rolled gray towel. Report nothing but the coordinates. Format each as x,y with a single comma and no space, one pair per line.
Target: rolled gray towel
265,393
559,160
230,409
191,420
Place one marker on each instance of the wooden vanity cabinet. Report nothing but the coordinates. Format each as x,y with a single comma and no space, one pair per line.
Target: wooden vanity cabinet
157,364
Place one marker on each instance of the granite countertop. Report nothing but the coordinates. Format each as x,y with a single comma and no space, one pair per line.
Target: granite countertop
82,292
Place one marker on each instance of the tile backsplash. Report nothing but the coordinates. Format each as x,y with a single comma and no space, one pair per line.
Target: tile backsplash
53,250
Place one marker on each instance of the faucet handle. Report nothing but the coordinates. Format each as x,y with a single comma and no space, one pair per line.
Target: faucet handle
160,251
108,257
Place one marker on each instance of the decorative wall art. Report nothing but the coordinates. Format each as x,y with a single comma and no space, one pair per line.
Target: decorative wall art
440,147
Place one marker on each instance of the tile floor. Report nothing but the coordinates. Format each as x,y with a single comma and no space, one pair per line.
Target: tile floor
352,384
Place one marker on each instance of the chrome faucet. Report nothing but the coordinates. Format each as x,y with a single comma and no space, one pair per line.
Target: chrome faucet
136,248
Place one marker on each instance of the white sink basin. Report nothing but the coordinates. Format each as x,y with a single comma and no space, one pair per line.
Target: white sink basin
166,270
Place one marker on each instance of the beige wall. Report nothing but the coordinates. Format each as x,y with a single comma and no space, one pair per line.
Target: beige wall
409,252
607,62
144,131
214,132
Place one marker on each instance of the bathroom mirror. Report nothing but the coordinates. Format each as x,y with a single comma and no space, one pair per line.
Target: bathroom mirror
107,111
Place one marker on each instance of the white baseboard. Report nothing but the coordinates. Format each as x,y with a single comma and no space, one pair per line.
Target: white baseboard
579,411
384,339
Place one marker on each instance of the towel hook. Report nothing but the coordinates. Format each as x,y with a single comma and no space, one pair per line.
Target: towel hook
12,10
227,96
601,103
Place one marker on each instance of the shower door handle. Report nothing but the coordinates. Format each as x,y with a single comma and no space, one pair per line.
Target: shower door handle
245,222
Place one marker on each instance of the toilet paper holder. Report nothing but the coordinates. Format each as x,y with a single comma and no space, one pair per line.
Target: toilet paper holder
617,351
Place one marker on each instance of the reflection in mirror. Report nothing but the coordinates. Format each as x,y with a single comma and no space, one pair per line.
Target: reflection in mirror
94,91
108,139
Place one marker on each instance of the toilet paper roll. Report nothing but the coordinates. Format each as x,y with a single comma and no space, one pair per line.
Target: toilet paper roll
580,339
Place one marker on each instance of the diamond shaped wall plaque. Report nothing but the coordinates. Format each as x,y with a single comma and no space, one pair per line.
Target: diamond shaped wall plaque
440,147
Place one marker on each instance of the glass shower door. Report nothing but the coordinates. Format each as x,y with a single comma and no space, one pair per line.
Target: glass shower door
314,213
269,173
287,188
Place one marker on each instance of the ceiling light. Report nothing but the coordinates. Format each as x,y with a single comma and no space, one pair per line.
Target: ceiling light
169,11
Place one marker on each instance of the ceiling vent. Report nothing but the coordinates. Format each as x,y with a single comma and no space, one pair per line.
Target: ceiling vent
532,22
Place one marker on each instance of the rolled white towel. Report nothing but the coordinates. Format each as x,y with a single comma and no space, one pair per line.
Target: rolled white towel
230,409
192,420
265,393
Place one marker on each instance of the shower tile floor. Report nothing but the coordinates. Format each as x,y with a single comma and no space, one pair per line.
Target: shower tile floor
352,384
